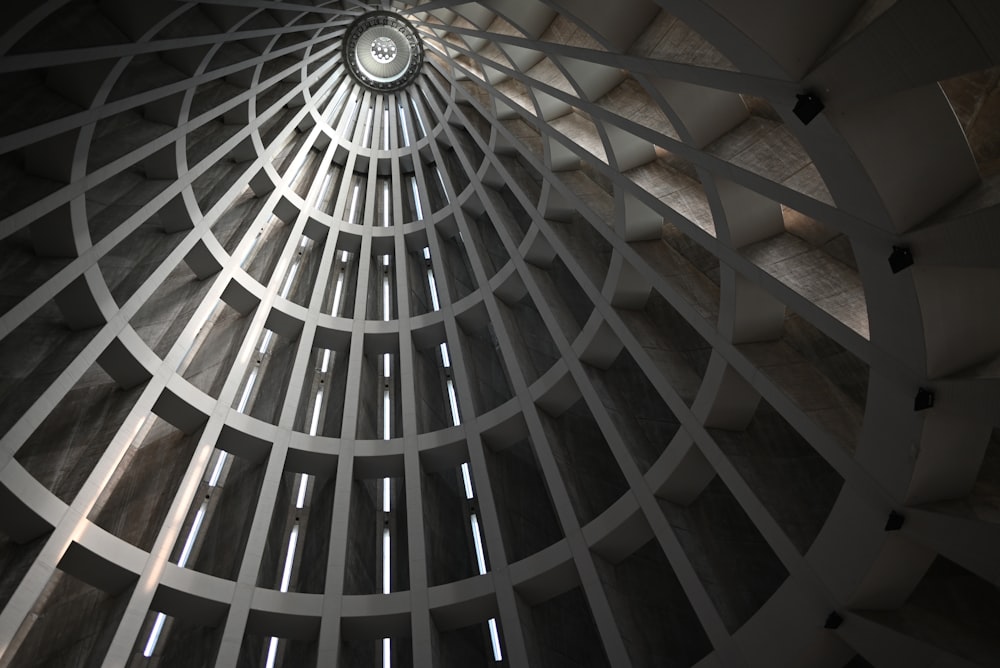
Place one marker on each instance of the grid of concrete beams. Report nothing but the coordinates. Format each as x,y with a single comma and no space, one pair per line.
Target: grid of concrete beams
581,350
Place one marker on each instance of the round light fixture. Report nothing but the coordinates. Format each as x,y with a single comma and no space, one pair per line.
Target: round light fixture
382,51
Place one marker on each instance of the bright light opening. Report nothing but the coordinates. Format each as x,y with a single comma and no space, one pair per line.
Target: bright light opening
265,341
445,359
386,408
495,640
433,288
402,126
315,417
467,480
385,297
154,635
385,204
386,576
416,198
241,407
286,574
478,539
335,310
217,471
192,535
354,205
453,401
300,499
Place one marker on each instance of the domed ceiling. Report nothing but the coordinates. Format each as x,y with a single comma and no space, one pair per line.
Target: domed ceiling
499,333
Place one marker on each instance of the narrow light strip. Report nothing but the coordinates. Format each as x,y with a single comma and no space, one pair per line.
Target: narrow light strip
416,198
325,365
192,535
495,639
272,652
402,126
300,499
444,190
386,653
480,555
420,119
434,291
385,204
335,309
315,416
354,205
217,471
386,561
385,129
445,359
386,495
290,279
453,401
467,480
250,247
154,635
265,341
286,574
386,366
324,187
385,298
246,390
386,406
427,253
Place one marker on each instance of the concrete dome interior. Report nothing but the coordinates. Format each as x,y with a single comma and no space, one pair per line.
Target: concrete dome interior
583,348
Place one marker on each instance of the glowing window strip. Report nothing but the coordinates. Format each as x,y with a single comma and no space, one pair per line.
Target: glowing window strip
402,126
272,652
416,198
385,298
385,129
386,653
199,517
433,287
444,190
335,309
495,640
467,480
325,364
291,279
420,118
354,205
217,471
386,404
154,635
323,189
427,253
286,574
445,359
386,570
249,249
247,390
300,499
386,366
478,539
386,495
315,416
385,204
453,401
265,341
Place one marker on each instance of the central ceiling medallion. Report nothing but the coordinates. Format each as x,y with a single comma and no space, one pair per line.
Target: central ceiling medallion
382,51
